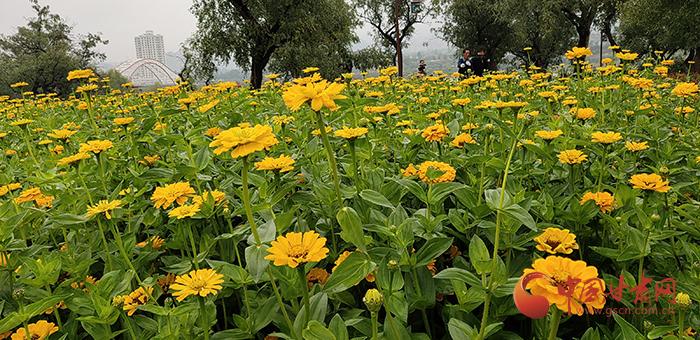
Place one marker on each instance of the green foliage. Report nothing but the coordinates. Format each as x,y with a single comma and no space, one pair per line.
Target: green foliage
660,25
42,53
295,34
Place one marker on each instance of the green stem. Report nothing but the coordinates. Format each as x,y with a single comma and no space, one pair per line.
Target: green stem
330,155
602,168
122,251
305,291
554,324
681,322
497,235
193,246
205,317
416,286
375,326
246,202
104,244
280,302
353,155
126,321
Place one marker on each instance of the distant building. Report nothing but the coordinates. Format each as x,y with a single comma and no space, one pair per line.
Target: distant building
150,46
148,69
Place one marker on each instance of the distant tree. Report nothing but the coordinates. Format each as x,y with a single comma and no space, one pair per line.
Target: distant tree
251,32
581,14
330,51
372,58
116,79
478,24
43,51
537,24
608,18
383,16
666,25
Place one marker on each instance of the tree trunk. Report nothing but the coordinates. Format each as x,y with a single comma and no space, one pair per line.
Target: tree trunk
584,35
257,67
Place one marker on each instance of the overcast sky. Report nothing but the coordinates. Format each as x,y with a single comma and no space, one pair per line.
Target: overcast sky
120,21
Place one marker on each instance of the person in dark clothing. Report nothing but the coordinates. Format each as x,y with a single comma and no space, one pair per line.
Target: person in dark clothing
480,62
464,64
421,68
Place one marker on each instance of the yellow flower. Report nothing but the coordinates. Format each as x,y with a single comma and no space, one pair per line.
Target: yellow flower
410,171
568,284
435,133
649,182
432,172
461,101
149,160
123,120
283,163
208,106
627,56
555,240
578,53
470,126
310,70
636,146
320,94
103,206
201,282
154,241
9,187
39,330
72,159
605,137
548,135
86,88
461,139
21,122
61,134
135,299
28,195
163,197
186,210
572,156
19,84
80,74
604,200
350,133
244,140
584,113
319,275
95,146
216,195
683,300
282,119
295,248
685,90
212,132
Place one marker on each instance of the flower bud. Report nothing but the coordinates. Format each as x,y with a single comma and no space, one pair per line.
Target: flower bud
373,300
392,264
18,293
663,169
655,217
683,300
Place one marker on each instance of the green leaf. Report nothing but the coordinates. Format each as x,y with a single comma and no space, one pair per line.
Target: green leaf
460,330
459,274
493,197
660,331
337,326
351,226
393,329
69,219
442,190
255,260
14,319
591,334
375,198
202,158
479,255
519,213
431,250
349,273
628,331
316,331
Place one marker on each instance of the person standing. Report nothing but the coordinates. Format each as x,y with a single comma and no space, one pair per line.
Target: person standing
421,68
464,64
480,62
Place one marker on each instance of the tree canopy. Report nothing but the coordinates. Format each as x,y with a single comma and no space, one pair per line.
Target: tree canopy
42,52
296,33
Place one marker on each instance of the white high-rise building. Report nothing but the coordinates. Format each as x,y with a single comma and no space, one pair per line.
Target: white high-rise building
150,46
